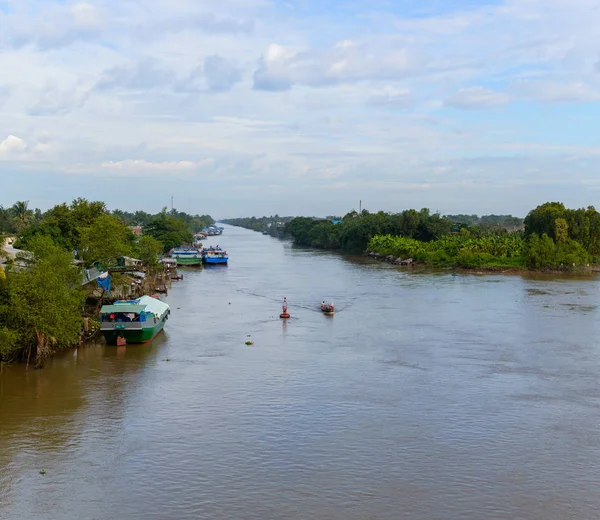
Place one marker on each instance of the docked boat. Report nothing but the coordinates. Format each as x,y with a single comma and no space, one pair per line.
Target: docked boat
187,255
213,231
215,255
133,321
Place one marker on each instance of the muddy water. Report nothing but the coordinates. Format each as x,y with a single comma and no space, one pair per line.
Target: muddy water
426,397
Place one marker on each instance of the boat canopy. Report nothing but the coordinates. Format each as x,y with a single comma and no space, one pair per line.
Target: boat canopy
143,304
128,308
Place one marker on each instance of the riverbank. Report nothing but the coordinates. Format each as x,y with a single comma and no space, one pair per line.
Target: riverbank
499,268
68,261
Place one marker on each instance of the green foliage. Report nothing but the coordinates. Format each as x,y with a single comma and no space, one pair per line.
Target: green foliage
22,215
17,218
272,224
324,235
44,301
9,344
561,230
148,249
488,222
543,253
583,225
64,224
104,240
169,231
458,250
194,223
300,228
355,230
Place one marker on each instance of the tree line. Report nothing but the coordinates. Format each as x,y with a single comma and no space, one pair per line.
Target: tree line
270,224
550,237
42,298
353,233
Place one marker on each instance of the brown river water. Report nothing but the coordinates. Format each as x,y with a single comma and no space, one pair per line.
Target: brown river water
426,397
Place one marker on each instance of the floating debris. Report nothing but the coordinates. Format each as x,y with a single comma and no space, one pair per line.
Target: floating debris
249,343
42,472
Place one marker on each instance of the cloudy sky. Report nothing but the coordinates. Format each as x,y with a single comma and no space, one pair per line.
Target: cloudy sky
251,107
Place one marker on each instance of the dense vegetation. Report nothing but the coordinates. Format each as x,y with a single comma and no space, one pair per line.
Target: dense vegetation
354,232
274,224
507,222
458,250
550,237
194,223
41,306
41,293
554,238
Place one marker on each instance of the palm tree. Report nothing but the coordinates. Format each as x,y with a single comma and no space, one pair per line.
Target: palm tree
22,213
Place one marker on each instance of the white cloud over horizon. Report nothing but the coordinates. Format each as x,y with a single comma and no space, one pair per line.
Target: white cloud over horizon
254,106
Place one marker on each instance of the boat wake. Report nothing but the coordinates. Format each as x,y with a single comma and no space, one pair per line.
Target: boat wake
341,302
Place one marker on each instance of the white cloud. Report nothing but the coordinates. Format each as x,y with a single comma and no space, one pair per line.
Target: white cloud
392,97
142,167
476,98
145,74
552,92
281,68
12,147
55,101
216,74
51,25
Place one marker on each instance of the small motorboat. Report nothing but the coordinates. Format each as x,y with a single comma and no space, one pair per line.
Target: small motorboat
327,309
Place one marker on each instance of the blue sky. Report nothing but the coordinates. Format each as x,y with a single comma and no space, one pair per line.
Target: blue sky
243,107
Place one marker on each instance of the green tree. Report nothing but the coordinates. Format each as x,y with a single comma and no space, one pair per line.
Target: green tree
63,223
148,249
542,219
7,224
540,252
45,301
170,231
22,214
104,240
561,230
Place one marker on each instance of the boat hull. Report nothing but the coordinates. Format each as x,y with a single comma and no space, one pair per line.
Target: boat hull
188,261
142,335
210,260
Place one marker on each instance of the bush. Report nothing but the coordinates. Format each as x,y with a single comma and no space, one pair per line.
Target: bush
9,347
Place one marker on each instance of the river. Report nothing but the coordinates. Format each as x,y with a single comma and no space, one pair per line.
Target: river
426,397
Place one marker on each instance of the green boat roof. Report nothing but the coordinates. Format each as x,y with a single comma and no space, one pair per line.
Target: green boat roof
124,307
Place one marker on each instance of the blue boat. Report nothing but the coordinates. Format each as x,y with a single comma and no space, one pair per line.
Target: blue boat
214,255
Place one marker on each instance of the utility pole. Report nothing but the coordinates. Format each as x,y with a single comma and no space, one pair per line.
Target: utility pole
360,206
171,202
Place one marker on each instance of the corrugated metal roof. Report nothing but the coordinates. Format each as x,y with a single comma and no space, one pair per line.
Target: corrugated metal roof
147,303
123,307
153,305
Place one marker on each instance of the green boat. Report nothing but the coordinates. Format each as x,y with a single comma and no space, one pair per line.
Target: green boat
187,255
133,321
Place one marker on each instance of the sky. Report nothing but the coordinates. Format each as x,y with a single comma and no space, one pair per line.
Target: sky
301,107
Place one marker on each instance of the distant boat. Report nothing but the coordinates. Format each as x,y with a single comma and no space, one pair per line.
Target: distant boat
133,321
215,255
188,255
265,232
212,231
327,309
